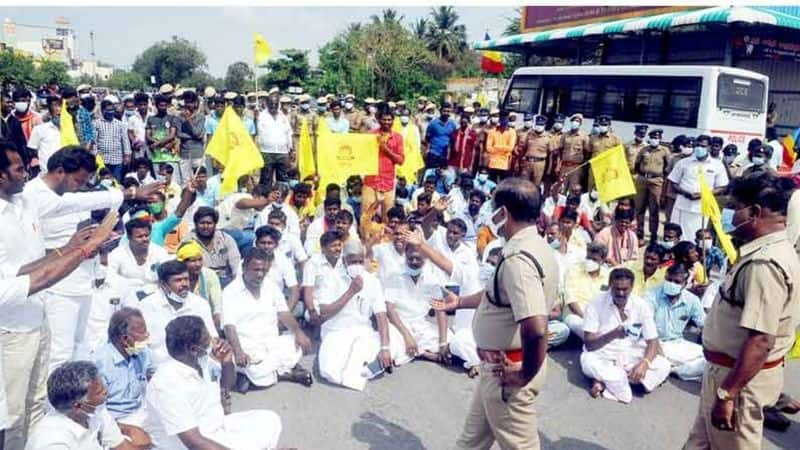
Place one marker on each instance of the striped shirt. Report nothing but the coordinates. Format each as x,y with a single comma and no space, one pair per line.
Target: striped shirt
112,140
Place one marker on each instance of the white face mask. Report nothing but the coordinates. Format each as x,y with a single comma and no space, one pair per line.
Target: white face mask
527,124
348,105
602,129
558,126
576,124
355,270
539,128
496,226
482,177
591,266
404,120
707,243
686,151
495,120
21,107
654,142
175,297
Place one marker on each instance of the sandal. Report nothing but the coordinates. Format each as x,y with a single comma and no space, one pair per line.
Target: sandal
299,375
787,405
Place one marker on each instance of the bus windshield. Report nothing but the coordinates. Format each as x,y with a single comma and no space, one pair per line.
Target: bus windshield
740,93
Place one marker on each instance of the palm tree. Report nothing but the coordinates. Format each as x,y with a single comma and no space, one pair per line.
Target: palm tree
513,23
420,28
444,36
387,16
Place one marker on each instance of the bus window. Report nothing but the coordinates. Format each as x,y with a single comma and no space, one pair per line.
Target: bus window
735,92
523,95
583,96
684,102
612,101
650,100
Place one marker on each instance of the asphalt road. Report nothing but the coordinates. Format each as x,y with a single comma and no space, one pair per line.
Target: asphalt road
423,405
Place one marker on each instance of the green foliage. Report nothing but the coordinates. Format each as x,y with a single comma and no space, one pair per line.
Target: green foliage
201,79
126,81
443,35
290,69
239,77
16,68
48,70
175,61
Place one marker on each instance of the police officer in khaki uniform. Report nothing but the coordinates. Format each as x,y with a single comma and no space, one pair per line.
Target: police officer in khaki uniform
557,138
304,113
353,115
751,325
632,148
510,326
537,151
650,166
575,150
604,140
520,149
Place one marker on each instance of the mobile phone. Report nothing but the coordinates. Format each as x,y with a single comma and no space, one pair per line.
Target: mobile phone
454,288
85,223
109,245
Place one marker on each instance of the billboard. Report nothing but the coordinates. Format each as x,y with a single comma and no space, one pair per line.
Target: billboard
539,18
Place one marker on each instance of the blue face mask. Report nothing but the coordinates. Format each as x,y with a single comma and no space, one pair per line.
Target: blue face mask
108,115
700,152
293,183
555,244
56,121
672,289
413,272
667,244
726,217
759,160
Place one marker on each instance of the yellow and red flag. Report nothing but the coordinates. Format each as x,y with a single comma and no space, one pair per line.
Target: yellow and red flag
492,61
789,142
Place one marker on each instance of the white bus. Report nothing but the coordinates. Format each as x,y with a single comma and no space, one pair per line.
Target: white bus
691,100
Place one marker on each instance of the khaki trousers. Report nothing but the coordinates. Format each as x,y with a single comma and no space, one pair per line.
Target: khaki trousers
648,199
369,197
763,390
511,423
578,176
25,357
534,171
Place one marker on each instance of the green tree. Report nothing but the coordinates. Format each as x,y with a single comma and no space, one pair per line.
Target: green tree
16,68
174,61
201,79
48,70
445,36
290,69
239,77
420,28
387,16
126,81
83,79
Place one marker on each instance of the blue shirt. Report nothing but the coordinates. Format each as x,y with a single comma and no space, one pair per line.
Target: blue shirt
338,126
715,257
438,136
487,186
671,319
162,228
443,182
249,125
212,122
86,125
124,379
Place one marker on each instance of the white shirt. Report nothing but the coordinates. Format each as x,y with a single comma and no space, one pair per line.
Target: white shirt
390,262
282,273
416,194
158,312
46,138
601,316
56,431
412,300
549,207
590,207
291,247
147,178
793,217
292,221
686,175
232,217
358,310
135,123
464,259
179,399
122,263
255,319
106,300
315,231
10,289
274,133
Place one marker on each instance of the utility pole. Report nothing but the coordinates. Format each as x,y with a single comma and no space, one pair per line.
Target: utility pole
94,60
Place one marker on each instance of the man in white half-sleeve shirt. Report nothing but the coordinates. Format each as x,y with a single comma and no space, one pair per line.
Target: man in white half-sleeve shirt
621,342
279,268
352,352
183,398
172,299
134,263
252,305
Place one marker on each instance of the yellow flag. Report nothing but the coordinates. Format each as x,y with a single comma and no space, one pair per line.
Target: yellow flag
233,147
67,128
305,154
484,101
413,161
396,126
322,128
710,209
612,175
340,155
262,50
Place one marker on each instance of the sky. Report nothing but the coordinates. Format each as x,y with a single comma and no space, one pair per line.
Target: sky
225,33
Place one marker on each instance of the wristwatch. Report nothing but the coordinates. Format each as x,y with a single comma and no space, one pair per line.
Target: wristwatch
724,395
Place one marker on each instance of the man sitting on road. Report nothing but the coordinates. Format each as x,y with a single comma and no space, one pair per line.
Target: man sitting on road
252,305
674,306
583,283
621,342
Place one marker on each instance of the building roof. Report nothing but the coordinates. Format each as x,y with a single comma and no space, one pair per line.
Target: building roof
788,17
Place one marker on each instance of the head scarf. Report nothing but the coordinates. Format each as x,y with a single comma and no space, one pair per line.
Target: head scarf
189,250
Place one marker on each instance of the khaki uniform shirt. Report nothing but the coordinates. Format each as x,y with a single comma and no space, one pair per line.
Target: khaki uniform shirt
575,147
539,145
599,144
760,293
557,141
296,121
355,118
497,327
632,150
480,144
651,161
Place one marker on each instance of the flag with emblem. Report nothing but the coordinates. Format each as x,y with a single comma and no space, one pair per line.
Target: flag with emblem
305,153
346,154
612,175
710,209
233,147
262,50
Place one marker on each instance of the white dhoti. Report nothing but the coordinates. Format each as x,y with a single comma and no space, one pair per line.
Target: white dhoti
275,356
136,418
686,358
575,324
344,353
611,368
258,429
463,345
67,316
689,221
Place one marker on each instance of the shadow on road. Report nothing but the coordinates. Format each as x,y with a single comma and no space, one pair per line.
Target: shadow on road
568,444
381,434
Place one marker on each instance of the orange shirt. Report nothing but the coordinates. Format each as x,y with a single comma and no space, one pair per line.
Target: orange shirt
175,237
499,146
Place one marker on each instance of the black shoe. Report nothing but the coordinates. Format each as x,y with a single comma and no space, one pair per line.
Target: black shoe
298,375
774,420
242,383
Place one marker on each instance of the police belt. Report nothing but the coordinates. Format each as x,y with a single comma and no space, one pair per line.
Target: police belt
534,158
571,163
498,356
650,176
724,360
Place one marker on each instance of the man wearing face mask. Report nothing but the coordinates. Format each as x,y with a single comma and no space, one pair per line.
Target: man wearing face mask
172,298
674,306
510,325
353,115
27,118
522,136
751,324
758,156
685,178
462,150
86,117
716,147
113,144
125,365
538,150
500,144
369,121
79,418
621,342
45,139
10,127
583,282
575,149
604,140
681,147
633,147
191,133
557,132
650,166
438,136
